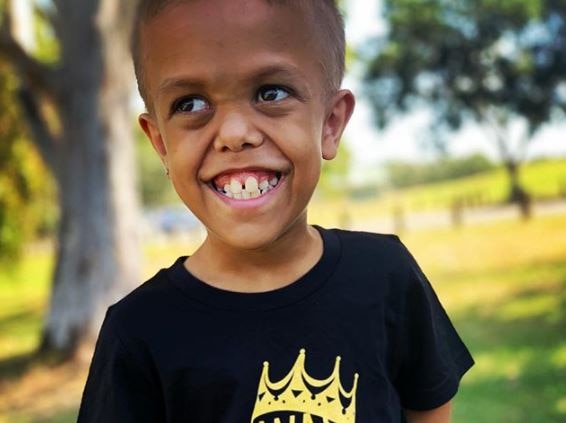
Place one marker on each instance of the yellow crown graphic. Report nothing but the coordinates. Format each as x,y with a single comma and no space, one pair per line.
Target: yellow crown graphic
299,398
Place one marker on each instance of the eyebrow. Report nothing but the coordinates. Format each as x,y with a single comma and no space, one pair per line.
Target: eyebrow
179,82
277,70
285,71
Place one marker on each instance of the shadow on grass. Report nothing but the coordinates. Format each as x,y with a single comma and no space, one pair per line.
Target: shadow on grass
16,366
63,416
16,319
23,328
16,328
520,349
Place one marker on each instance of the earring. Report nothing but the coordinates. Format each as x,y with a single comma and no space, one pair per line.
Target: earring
167,171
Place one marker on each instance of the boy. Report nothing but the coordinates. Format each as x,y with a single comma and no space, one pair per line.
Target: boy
270,320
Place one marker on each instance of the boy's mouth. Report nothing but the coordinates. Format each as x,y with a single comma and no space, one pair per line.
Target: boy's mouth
245,185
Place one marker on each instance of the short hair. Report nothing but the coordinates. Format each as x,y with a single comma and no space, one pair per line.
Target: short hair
329,27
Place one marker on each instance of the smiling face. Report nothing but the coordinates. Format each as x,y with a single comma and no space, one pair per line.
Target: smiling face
239,114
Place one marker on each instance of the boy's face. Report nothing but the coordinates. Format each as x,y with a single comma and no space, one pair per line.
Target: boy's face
237,98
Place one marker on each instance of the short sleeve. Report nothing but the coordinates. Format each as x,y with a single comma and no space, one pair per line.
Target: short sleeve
119,387
433,356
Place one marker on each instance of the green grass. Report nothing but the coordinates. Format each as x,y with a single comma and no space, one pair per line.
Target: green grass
503,284
543,180
505,287
24,288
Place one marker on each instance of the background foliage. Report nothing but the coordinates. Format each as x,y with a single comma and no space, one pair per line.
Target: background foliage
492,62
27,192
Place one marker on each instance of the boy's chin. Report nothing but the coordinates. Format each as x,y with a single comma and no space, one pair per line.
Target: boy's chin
253,239
246,241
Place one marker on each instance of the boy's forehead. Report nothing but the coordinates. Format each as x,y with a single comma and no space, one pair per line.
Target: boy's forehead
203,32
214,10
215,16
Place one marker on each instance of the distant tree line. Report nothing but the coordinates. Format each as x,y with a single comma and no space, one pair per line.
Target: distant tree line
401,174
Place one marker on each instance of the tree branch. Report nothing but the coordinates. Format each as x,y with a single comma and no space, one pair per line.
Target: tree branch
41,135
37,75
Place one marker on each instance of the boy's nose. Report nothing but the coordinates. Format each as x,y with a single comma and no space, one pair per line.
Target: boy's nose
236,133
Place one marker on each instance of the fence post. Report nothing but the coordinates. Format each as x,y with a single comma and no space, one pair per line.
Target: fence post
456,212
399,224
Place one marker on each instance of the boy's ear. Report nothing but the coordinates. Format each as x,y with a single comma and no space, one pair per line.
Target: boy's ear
341,109
149,126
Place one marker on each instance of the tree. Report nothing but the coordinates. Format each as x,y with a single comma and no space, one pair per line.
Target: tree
26,208
486,60
77,111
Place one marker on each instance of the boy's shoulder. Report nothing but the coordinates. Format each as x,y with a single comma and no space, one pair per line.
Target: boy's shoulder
378,260
376,247
145,304
375,239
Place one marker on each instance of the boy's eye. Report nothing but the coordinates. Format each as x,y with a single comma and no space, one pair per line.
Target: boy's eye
190,105
272,93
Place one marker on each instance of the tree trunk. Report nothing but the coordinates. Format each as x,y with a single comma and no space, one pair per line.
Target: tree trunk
98,253
517,194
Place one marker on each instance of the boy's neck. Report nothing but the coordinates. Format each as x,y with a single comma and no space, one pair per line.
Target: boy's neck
281,263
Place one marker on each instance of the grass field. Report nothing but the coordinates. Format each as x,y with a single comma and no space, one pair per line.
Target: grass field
543,180
503,284
505,287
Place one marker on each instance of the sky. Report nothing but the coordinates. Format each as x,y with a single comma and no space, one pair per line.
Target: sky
403,139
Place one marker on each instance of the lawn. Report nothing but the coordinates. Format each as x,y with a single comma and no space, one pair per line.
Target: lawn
505,287
544,180
503,284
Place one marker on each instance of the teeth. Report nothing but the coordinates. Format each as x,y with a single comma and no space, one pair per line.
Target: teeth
251,184
252,188
235,186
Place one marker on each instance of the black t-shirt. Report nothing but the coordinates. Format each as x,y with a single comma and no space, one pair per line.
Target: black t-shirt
358,338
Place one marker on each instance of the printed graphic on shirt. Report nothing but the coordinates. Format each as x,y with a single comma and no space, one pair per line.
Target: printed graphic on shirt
300,398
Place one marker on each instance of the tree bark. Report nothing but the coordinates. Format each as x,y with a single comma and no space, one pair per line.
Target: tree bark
98,253
517,194
92,159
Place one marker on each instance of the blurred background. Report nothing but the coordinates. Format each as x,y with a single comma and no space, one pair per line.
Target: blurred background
458,144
